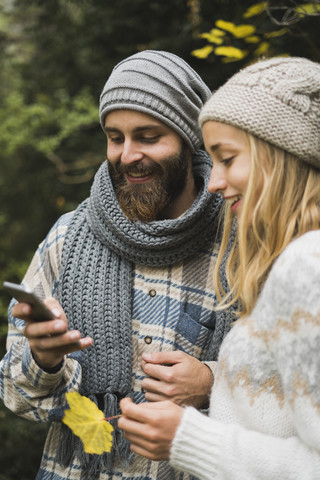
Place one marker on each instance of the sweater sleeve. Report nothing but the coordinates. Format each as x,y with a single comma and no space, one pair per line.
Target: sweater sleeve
287,320
211,450
25,388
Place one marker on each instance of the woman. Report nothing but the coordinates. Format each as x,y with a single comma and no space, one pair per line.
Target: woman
262,130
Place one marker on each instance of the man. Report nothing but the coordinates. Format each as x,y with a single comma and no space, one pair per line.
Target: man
130,271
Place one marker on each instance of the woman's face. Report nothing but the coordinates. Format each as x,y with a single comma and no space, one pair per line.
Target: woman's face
230,152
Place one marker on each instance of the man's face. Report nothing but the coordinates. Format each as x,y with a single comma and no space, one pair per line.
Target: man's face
148,164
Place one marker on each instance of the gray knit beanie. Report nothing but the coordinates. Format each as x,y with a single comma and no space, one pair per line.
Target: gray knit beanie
277,100
158,84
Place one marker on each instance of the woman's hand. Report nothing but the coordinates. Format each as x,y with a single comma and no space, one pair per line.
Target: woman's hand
150,427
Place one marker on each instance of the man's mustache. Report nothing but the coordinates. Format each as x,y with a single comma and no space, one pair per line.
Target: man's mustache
138,168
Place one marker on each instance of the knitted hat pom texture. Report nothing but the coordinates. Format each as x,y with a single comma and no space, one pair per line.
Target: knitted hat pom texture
277,100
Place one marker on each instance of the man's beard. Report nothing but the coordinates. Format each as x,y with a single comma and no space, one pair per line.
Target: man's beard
146,201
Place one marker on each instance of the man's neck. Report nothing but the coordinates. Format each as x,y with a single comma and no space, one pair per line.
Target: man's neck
183,202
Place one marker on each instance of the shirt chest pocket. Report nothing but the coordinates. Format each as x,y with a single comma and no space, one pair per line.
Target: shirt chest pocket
192,337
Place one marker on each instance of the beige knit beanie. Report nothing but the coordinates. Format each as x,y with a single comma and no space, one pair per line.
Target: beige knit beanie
277,100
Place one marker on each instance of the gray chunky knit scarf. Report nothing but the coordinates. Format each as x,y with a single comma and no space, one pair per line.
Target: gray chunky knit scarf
99,253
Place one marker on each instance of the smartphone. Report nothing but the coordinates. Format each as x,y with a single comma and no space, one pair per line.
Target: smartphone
39,311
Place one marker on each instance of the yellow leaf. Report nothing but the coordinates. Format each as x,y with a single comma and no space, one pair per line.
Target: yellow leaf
212,38
255,10
218,32
231,52
252,39
239,31
262,49
202,52
230,59
243,31
87,422
276,33
228,26
308,8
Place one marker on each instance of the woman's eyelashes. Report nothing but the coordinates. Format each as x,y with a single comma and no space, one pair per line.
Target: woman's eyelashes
226,161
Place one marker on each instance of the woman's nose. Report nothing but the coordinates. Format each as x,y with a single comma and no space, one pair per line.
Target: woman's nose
217,182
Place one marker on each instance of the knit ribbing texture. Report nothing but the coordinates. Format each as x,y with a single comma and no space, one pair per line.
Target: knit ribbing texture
160,84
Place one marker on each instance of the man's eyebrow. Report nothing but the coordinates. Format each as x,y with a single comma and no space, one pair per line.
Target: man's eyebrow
111,129
146,127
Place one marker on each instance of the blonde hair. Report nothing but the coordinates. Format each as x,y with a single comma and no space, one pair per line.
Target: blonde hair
285,192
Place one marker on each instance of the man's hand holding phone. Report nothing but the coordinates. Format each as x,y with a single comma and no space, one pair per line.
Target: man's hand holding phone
50,340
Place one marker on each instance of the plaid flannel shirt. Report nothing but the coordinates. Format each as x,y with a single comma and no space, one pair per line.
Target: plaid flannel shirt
170,307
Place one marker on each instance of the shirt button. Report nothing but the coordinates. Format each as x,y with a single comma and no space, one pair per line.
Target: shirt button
148,340
152,292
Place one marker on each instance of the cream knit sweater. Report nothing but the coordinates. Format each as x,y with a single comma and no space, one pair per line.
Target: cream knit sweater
265,404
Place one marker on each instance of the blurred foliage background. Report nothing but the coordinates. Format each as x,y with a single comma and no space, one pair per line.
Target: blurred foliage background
55,57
